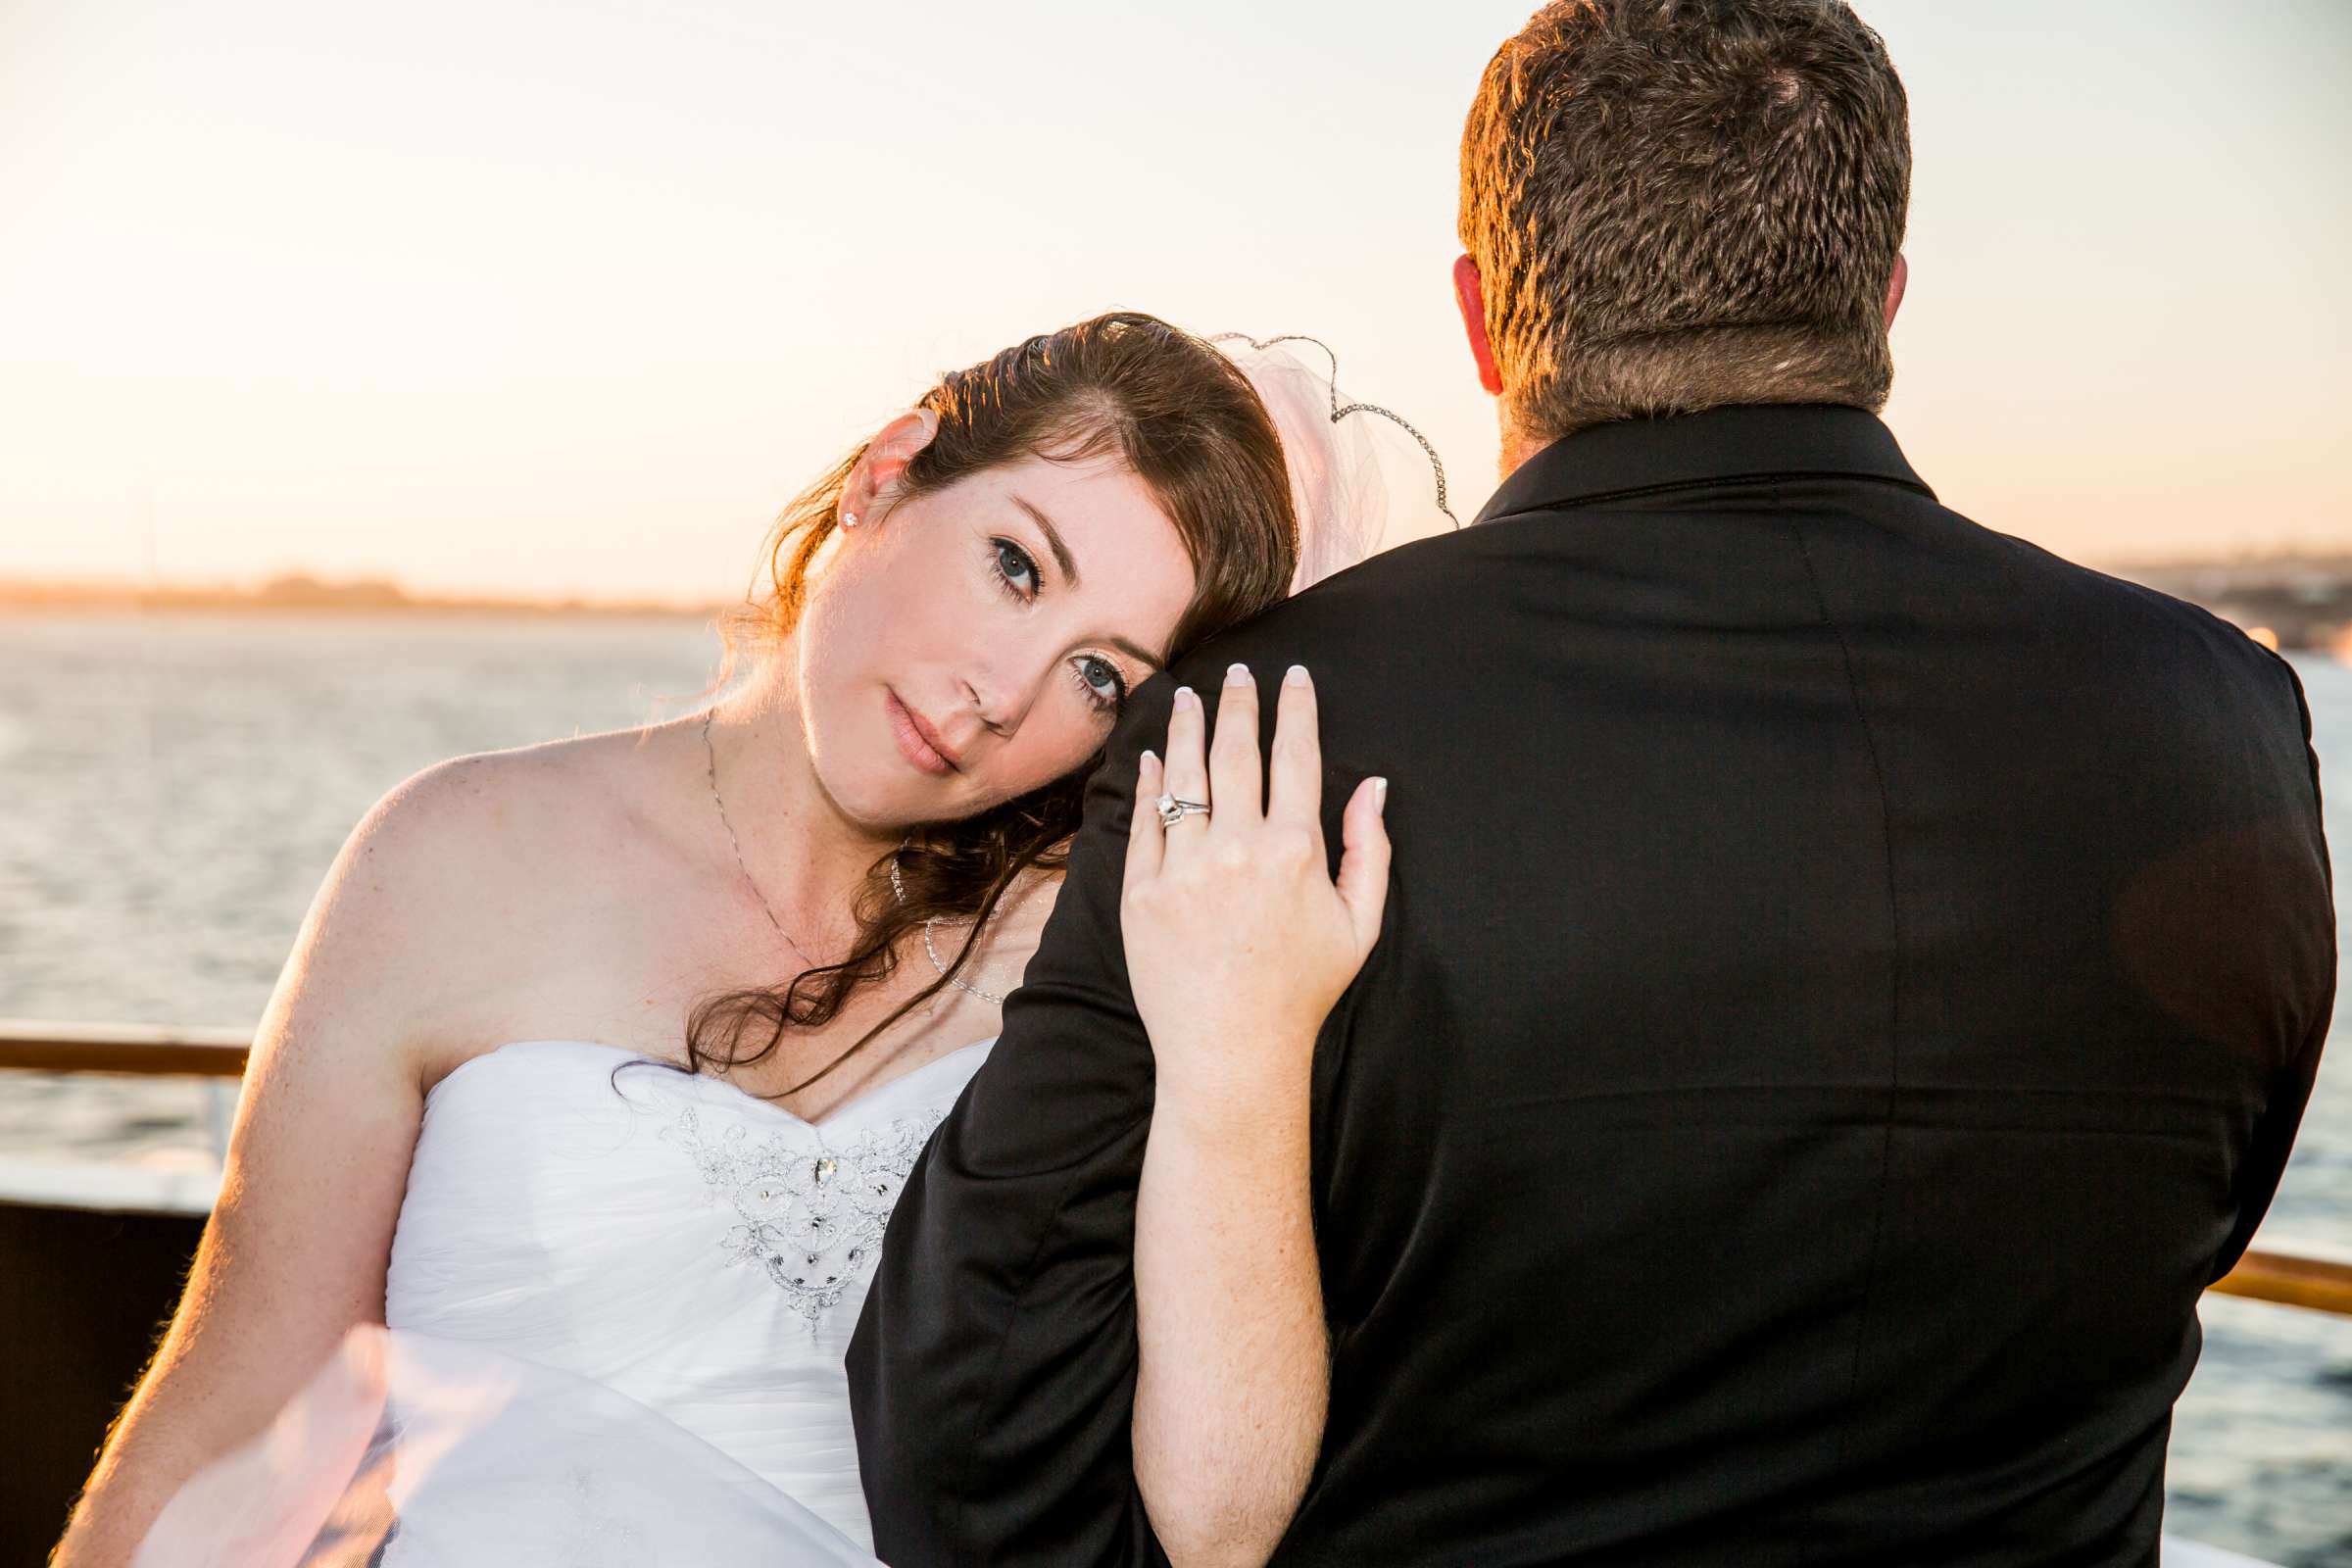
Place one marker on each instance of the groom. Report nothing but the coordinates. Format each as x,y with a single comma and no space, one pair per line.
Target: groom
1851,978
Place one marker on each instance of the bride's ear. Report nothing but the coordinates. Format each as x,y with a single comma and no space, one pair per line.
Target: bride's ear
1470,293
877,469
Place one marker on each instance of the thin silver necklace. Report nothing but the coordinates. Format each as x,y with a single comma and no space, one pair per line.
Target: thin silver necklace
898,889
898,886
711,753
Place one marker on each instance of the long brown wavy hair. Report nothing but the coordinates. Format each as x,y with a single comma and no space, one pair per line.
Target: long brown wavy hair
1188,424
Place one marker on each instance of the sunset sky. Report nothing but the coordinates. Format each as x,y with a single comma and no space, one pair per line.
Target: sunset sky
538,299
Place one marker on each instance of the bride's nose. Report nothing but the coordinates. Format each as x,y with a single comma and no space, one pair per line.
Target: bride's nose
988,711
1002,695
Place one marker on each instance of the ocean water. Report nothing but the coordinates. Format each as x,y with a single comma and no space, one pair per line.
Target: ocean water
173,788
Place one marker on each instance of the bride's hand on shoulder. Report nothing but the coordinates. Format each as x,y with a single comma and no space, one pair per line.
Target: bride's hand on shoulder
1239,940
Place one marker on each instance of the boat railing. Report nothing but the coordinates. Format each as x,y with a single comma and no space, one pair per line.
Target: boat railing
2291,1278
140,1050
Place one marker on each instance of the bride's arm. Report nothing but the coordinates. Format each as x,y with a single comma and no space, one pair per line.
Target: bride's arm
1237,945
296,1250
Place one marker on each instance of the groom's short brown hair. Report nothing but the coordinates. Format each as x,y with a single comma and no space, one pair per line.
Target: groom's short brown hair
1679,204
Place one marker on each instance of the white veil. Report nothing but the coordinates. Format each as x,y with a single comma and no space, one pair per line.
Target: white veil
1358,485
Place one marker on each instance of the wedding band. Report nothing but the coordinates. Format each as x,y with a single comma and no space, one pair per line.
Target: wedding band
1173,810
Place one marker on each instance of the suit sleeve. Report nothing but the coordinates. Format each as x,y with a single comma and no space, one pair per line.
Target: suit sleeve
2313,956
992,1371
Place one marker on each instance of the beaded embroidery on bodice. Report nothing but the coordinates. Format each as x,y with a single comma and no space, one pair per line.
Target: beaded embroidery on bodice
812,1217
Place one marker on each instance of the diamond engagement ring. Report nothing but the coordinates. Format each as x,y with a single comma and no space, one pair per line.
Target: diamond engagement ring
1173,810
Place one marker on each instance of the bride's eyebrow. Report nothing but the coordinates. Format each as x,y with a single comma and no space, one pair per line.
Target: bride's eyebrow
1152,660
1061,552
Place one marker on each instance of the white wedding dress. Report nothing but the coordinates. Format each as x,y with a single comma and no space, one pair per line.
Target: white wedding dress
618,1304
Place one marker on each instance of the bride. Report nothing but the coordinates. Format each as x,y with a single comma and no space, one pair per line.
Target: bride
528,1095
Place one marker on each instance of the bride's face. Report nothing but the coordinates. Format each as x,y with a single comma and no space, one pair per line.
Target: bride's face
967,646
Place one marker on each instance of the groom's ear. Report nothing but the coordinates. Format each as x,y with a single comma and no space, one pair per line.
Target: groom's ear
1470,293
1896,287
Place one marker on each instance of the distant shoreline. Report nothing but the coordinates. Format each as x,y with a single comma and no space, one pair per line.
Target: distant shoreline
298,593
2289,602
2300,602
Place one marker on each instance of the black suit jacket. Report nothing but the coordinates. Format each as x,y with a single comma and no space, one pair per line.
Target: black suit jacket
1850,979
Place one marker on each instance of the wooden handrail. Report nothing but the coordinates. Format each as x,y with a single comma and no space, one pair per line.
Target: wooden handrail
2321,1285
128,1048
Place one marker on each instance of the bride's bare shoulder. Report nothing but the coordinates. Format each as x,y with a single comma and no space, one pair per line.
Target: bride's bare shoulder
502,812
443,884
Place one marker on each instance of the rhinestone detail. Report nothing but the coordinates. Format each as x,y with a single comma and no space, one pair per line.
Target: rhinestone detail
811,1219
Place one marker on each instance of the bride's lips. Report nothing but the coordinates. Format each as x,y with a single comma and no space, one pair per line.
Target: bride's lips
918,742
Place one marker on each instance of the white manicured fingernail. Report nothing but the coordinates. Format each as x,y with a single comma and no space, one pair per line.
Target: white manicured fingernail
1237,674
1379,796
1149,757
1185,696
1296,675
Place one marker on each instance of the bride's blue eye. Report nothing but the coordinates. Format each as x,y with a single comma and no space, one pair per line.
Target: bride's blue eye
1099,679
1014,568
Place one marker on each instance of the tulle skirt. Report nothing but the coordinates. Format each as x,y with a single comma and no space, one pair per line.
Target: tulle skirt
407,1450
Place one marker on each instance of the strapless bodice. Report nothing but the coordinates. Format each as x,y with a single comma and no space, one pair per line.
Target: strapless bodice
698,1249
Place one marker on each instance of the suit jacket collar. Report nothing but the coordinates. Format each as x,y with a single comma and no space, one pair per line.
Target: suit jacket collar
1747,441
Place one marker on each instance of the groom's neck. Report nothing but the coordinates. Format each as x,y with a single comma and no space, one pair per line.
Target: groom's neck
1517,447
